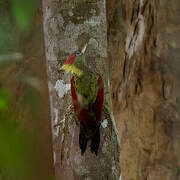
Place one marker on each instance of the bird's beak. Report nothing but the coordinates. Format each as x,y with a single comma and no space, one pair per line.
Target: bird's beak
84,48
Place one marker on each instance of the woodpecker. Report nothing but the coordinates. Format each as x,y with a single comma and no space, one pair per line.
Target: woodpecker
87,91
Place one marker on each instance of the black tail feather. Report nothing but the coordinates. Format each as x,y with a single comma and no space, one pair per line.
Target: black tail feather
82,141
95,141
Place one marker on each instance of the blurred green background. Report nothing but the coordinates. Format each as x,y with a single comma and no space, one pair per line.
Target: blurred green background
25,137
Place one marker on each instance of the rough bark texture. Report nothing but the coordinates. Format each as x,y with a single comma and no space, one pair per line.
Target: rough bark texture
68,25
144,47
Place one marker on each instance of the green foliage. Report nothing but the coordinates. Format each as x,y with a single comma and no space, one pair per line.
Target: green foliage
15,143
15,21
23,11
4,98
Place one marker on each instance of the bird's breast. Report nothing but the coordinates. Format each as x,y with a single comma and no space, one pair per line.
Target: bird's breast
80,99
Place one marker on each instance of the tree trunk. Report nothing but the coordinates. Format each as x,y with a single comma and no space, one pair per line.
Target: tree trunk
144,44
26,79
68,25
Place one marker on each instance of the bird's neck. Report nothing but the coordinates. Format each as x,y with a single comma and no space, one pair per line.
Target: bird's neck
80,66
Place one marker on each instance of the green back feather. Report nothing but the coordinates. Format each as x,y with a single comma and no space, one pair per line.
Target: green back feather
87,86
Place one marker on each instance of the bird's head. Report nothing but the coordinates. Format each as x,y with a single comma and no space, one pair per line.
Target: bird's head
71,65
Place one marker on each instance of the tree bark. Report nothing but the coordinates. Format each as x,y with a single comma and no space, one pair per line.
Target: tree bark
144,49
68,25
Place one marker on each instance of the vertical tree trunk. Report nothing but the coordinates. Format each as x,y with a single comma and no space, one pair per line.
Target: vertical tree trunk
144,45
68,25
26,77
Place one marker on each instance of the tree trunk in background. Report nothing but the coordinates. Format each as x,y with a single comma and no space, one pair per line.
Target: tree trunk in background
68,25
24,78
144,48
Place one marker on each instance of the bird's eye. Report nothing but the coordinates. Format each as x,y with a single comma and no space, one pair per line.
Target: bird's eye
78,53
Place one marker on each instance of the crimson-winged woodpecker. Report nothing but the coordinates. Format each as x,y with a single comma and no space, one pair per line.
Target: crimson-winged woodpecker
87,92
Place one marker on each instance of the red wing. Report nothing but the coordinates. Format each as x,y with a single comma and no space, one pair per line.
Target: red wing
98,105
74,96
83,114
